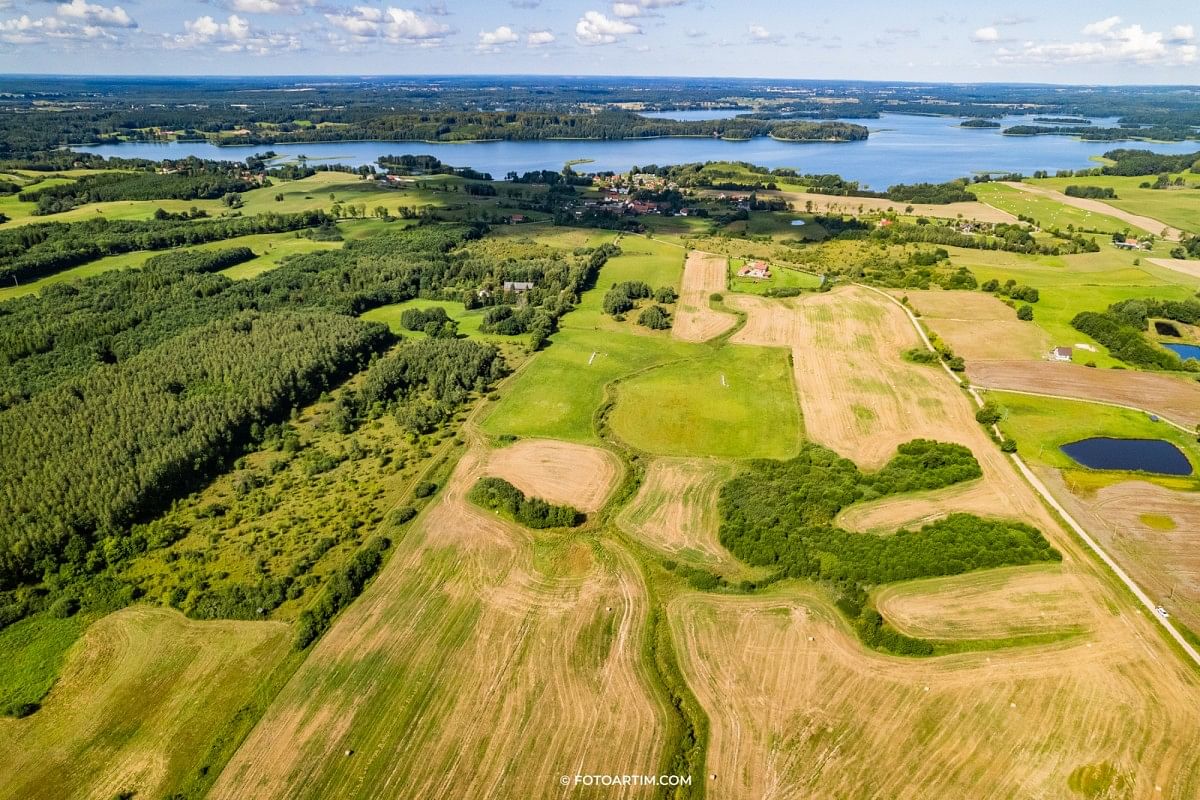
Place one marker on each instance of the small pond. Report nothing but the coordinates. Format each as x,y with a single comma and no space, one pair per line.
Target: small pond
1184,351
798,222
1143,455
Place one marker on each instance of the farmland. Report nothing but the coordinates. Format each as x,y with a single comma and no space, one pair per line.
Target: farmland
793,562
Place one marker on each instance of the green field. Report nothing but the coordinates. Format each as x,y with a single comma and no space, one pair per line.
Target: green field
734,402
1048,212
468,321
32,652
1074,283
1041,425
781,278
1179,207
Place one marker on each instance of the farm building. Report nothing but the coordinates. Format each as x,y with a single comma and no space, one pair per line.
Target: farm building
518,286
1061,353
755,269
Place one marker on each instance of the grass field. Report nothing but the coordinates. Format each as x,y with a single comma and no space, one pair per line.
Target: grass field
1178,207
468,321
1041,425
734,402
977,325
1048,212
781,278
144,698
32,652
1070,284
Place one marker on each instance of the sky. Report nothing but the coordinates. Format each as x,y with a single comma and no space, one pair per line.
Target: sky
1098,42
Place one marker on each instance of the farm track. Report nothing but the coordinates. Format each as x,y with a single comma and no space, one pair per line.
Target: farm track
1146,224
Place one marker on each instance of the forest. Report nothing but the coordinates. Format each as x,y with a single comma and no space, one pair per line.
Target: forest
109,186
1122,326
35,251
780,514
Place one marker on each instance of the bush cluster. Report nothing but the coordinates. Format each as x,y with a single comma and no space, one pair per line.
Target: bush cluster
497,494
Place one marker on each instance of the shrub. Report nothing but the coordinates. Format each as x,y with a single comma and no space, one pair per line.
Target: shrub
655,317
425,489
1025,313
989,414
64,607
497,494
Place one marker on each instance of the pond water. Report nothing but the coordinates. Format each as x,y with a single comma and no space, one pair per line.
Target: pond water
796,223
1184,351
902,149
1144,455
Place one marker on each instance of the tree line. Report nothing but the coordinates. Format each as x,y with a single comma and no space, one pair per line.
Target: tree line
497,494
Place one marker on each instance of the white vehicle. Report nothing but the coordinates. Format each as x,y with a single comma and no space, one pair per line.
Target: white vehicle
1162,612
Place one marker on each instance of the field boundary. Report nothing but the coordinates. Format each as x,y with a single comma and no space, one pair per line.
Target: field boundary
1047,498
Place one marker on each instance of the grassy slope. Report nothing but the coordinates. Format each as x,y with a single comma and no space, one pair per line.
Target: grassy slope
1070,284
1048,212
31,654
1179,207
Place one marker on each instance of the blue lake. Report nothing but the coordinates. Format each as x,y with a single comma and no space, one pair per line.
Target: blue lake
1184,351
1141,455
902,149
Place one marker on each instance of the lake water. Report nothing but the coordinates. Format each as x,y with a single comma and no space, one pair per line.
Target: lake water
1144,455
902,149
1184,351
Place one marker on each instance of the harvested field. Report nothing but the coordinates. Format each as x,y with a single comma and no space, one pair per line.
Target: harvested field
1174,398
475,665
703,274
142,698
1099,207
862,399
822,203
1015,601
558,472
798,709
889,514
1182,265
676,508
1165,563
976,325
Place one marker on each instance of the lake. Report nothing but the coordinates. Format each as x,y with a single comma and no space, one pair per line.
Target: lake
1184,351
1139,455
902,149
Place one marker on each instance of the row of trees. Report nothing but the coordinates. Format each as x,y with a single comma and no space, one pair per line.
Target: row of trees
208,184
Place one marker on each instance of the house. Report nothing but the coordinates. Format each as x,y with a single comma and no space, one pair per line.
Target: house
756,269
516,219
1129,244
519,287
885,223
1061,353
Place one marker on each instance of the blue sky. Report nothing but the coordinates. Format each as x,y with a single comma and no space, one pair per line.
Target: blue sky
1095,42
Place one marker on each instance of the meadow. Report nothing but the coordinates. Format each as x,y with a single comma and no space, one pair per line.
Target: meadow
1047,212
1177,206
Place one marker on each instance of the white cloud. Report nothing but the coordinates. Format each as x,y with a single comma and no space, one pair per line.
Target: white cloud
761,35
234,35
595,28
28,30
95,14
988,34
1182,34
395,25
638,8
270,6
491,41
539,38
627,10
1102,28
1108,41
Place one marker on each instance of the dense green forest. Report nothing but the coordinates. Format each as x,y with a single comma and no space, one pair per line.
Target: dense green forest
35,251
108,186
1144,162
95,454
780,514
